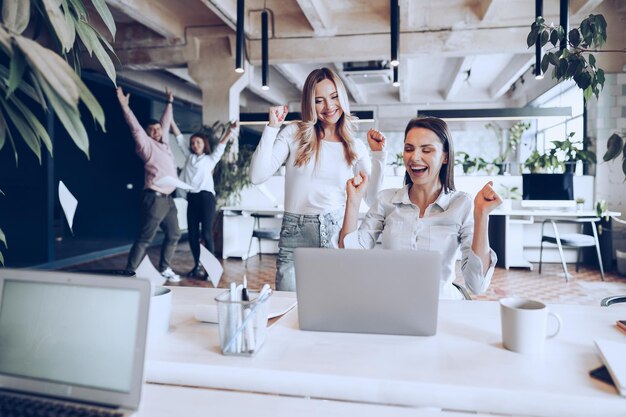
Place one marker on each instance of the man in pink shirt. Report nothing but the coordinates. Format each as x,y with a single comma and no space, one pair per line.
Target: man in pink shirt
157,203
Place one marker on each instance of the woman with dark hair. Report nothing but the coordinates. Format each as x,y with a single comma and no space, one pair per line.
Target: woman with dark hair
427,213
320,153
198,172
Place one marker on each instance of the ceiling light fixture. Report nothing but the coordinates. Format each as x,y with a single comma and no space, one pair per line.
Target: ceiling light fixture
240,36
394,13
396,81
564,21
537,71
264,50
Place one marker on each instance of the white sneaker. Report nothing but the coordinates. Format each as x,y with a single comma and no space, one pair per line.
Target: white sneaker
170,275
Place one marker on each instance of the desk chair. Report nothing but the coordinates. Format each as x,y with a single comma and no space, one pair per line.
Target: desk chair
571,240
613,300
462,290
262,233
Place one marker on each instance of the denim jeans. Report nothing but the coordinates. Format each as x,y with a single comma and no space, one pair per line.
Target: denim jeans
302,231
156,210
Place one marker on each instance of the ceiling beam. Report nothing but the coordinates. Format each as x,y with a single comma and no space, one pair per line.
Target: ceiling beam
318,17
376,46
153,15
483,9
292,73
513,70
226,10
408,14
458,76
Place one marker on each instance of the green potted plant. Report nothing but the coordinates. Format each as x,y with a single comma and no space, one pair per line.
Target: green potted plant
573,151
541,162
398,164
580,203
508,142
508,194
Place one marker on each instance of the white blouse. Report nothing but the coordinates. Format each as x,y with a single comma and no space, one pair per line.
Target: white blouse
198,169
447,225
320,185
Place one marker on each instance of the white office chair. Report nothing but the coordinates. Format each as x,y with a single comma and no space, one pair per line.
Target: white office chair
613,300
571,240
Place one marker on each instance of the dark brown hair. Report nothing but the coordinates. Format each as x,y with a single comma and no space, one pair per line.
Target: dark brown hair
205,139
439,128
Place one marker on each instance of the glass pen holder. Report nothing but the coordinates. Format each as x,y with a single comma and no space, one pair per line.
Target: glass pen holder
242,324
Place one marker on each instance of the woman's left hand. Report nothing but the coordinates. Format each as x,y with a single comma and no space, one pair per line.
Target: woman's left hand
486,200
376,140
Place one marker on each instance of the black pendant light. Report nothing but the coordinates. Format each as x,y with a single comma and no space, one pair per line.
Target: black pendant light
240,36
538,72
394,12
264,50
564,21
396,81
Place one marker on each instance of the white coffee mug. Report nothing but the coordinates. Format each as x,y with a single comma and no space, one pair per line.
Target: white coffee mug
524,324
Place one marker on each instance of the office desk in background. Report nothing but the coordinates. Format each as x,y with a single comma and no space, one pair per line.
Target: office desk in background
515,235
464,367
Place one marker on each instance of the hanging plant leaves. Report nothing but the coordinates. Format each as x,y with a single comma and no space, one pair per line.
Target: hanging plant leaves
614,147
16,14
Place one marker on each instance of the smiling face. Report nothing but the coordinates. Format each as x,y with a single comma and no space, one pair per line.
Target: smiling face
424,156
197,145
327,106
154,131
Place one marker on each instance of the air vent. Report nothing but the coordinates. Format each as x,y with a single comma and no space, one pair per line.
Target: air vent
370,78
368,72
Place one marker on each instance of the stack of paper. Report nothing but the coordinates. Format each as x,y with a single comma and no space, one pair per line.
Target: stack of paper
614,358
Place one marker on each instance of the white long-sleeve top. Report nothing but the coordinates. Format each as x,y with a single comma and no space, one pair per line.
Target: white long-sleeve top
447,225
319,186
198,169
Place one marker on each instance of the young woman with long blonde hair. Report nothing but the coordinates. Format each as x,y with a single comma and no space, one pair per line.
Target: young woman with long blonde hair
320,154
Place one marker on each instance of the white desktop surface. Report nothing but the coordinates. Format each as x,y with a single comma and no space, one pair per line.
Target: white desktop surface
169,401
463,367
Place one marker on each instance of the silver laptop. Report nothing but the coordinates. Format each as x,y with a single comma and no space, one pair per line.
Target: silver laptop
68,338
368,291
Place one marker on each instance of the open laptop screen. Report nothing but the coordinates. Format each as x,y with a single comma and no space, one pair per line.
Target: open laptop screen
70,334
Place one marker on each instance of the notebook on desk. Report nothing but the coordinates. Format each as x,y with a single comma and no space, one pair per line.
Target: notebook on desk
71,340
368,291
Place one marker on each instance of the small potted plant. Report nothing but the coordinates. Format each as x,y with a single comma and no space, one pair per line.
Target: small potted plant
537,162
398,164
580,203
573,151
508,194
466,161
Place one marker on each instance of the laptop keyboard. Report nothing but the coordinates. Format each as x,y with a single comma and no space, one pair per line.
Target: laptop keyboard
22,406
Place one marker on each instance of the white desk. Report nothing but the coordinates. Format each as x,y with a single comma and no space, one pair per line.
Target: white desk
463,367
168,401
511,233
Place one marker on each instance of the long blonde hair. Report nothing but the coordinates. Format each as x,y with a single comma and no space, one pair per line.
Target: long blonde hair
310,130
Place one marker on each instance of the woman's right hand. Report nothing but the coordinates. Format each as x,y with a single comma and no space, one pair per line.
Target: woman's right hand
356,187
277,115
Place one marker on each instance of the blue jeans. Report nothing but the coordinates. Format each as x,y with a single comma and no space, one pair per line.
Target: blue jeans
302,231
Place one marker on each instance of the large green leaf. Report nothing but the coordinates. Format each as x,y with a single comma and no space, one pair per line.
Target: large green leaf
5,41
16,14
105,15
59,23
613,147
87,35
3,131
68,115
52,68
90,101
16,72
105,61
1,258
3,239
69,21
10,136
34,122
26,131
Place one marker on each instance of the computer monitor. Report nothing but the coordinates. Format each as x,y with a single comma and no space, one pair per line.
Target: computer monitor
548,190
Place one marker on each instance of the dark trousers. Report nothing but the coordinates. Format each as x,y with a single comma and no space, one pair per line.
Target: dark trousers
200,210
156,210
